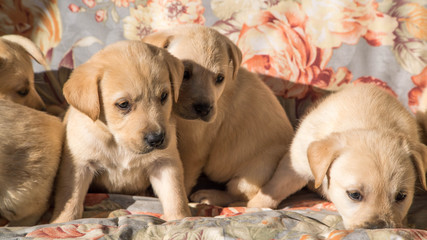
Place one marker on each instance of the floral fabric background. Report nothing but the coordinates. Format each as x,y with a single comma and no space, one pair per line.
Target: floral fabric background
300,48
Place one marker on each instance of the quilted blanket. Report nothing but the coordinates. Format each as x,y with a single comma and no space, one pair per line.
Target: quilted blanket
303,216
300,49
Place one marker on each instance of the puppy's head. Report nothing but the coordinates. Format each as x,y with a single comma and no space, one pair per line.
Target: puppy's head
130,87
369,176
16,71
211,63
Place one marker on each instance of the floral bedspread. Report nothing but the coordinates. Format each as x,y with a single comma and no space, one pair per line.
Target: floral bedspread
300,48
303,216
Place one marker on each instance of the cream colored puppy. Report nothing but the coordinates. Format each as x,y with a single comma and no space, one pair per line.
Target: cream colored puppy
230,125
30,150
421,116
361,149
119,131
16,70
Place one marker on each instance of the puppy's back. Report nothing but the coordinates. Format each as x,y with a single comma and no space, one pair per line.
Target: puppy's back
359,107
363,106
30,148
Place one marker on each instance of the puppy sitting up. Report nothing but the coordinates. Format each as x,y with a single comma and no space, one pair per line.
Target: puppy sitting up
16,70
120,135
362,150
230,125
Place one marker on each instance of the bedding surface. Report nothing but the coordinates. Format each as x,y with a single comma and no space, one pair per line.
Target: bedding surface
303,216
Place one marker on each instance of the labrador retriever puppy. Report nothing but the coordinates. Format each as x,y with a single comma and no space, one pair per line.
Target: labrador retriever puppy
120,134
30,151
421,116
361,149
16,70
230,125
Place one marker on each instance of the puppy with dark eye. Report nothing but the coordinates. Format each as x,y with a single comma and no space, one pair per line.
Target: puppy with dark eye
361,149
16,70
120,135
230,125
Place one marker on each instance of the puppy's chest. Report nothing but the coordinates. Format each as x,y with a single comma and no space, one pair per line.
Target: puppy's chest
121,172
122,180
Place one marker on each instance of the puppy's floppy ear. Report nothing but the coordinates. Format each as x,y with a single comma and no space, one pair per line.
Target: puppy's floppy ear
235,56
176,72
419,159
81,89
320,156
159,39
29,46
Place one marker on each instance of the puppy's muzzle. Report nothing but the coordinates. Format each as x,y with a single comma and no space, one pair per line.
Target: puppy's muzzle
155,140
202,109
379,223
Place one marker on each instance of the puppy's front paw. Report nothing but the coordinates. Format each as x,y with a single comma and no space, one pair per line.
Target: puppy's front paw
202,196
212,197
262,201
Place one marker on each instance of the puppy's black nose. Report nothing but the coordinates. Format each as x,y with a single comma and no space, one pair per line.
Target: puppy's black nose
155,140
202,109
379,223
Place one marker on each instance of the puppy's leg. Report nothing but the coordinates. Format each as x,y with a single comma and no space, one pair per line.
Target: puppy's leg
213,197
246,182
72,185
27,221
192,171
284,182
166,177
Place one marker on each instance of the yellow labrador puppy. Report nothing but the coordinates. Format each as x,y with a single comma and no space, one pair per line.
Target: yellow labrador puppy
421,115
119,131
30,149
230,125
16,70
361,149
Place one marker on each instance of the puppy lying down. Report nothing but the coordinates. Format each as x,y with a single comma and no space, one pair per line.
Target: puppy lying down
361,149
16,70
120,135
30,149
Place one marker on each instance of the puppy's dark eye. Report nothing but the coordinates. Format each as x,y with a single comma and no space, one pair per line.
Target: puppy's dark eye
400,197
187,74
355,195
123,105
23,92
219,79
164,97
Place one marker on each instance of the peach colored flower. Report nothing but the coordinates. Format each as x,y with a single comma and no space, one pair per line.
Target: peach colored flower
414,95
410,47
225,9
138,24
101,15
89,3
122,3
333,22
38,20
73,7
158,14
274,44
167,13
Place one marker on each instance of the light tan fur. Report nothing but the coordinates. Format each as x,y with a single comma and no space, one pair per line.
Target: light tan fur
244,134
421,115
16,70
360,140
108,145
30,150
